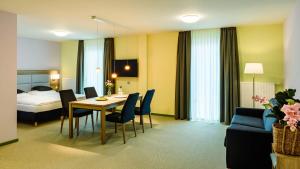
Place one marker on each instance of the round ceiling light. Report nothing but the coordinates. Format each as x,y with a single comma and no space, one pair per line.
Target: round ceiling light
191,18
60,33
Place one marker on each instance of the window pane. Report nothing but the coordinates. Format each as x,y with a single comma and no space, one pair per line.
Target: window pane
93,58
205,75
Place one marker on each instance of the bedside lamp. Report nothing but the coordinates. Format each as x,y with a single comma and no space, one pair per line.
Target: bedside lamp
55,78
253,68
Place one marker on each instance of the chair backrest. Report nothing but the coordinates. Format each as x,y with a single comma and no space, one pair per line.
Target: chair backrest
127,112
90,92
145,107
66,96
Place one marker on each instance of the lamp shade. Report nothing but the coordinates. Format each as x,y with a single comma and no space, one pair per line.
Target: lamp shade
254,68
54,76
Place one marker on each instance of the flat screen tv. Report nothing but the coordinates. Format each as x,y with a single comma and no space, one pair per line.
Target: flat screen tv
120,68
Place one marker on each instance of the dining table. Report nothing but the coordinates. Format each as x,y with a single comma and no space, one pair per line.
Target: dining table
105,106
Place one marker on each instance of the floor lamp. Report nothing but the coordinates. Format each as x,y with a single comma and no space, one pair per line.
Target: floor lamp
254,69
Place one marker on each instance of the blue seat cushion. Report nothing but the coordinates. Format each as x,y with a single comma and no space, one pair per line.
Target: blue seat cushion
137,110
81,112
247,121
247,128
114,117
268,121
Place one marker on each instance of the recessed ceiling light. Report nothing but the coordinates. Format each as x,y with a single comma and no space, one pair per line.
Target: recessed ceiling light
60,33
191,18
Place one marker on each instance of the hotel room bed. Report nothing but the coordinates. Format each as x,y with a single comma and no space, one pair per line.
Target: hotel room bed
37,106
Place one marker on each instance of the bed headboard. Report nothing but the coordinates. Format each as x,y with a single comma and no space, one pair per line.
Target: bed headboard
26,79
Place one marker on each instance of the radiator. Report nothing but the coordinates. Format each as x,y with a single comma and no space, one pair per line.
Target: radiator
262,89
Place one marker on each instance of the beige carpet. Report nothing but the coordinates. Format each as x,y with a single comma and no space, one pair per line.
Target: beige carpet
169,144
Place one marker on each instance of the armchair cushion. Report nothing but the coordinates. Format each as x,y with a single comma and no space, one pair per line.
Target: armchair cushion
268,121
247,121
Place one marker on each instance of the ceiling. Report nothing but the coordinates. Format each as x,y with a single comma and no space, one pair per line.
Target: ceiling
37,18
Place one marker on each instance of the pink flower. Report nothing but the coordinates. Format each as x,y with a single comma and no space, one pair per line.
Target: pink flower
292,115
261,100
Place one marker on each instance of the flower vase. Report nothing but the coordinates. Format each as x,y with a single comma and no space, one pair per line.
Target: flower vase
109,92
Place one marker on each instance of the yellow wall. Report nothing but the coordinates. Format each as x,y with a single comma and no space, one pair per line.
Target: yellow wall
264,44
127,47
156,54
68,64
162,52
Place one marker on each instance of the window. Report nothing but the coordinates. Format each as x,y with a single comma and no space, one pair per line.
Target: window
205,75
93,59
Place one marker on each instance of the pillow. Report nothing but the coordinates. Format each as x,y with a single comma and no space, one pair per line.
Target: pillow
268,121
19,91
41,88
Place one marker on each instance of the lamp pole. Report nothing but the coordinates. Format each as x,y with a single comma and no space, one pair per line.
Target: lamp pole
253,90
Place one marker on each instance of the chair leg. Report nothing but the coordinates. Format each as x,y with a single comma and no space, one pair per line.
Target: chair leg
97,114
124,138
133,124
92,116
150,120
116,127
142,123
141,119
77,119
62,119
86,117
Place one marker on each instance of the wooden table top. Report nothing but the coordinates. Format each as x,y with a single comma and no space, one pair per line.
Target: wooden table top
113,99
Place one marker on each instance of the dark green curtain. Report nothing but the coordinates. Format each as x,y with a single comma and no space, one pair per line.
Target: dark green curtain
182,93
230,74
80,67
109,56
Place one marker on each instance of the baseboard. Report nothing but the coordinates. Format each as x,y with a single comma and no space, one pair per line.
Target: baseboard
165,115
9,142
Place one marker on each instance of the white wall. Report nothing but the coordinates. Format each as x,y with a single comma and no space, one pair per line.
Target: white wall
8,66
36,54
292,50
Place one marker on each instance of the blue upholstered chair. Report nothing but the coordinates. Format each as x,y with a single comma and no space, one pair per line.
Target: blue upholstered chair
67,96
126,115
90,92
145,108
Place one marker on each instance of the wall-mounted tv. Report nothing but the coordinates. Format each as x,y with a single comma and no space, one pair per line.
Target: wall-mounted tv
120,68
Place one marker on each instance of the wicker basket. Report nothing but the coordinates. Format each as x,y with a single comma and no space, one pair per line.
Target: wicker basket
285,141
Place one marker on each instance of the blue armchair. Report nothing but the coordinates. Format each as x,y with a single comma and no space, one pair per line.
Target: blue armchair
248,139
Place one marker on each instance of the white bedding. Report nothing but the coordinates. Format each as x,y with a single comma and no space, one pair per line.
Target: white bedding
39,101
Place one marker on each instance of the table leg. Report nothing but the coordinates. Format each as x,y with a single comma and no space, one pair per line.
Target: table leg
70,120
103,126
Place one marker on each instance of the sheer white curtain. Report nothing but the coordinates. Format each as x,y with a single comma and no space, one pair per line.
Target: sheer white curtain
92,60
205,75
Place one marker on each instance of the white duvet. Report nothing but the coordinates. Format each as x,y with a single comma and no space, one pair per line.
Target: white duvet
38,97
37,101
